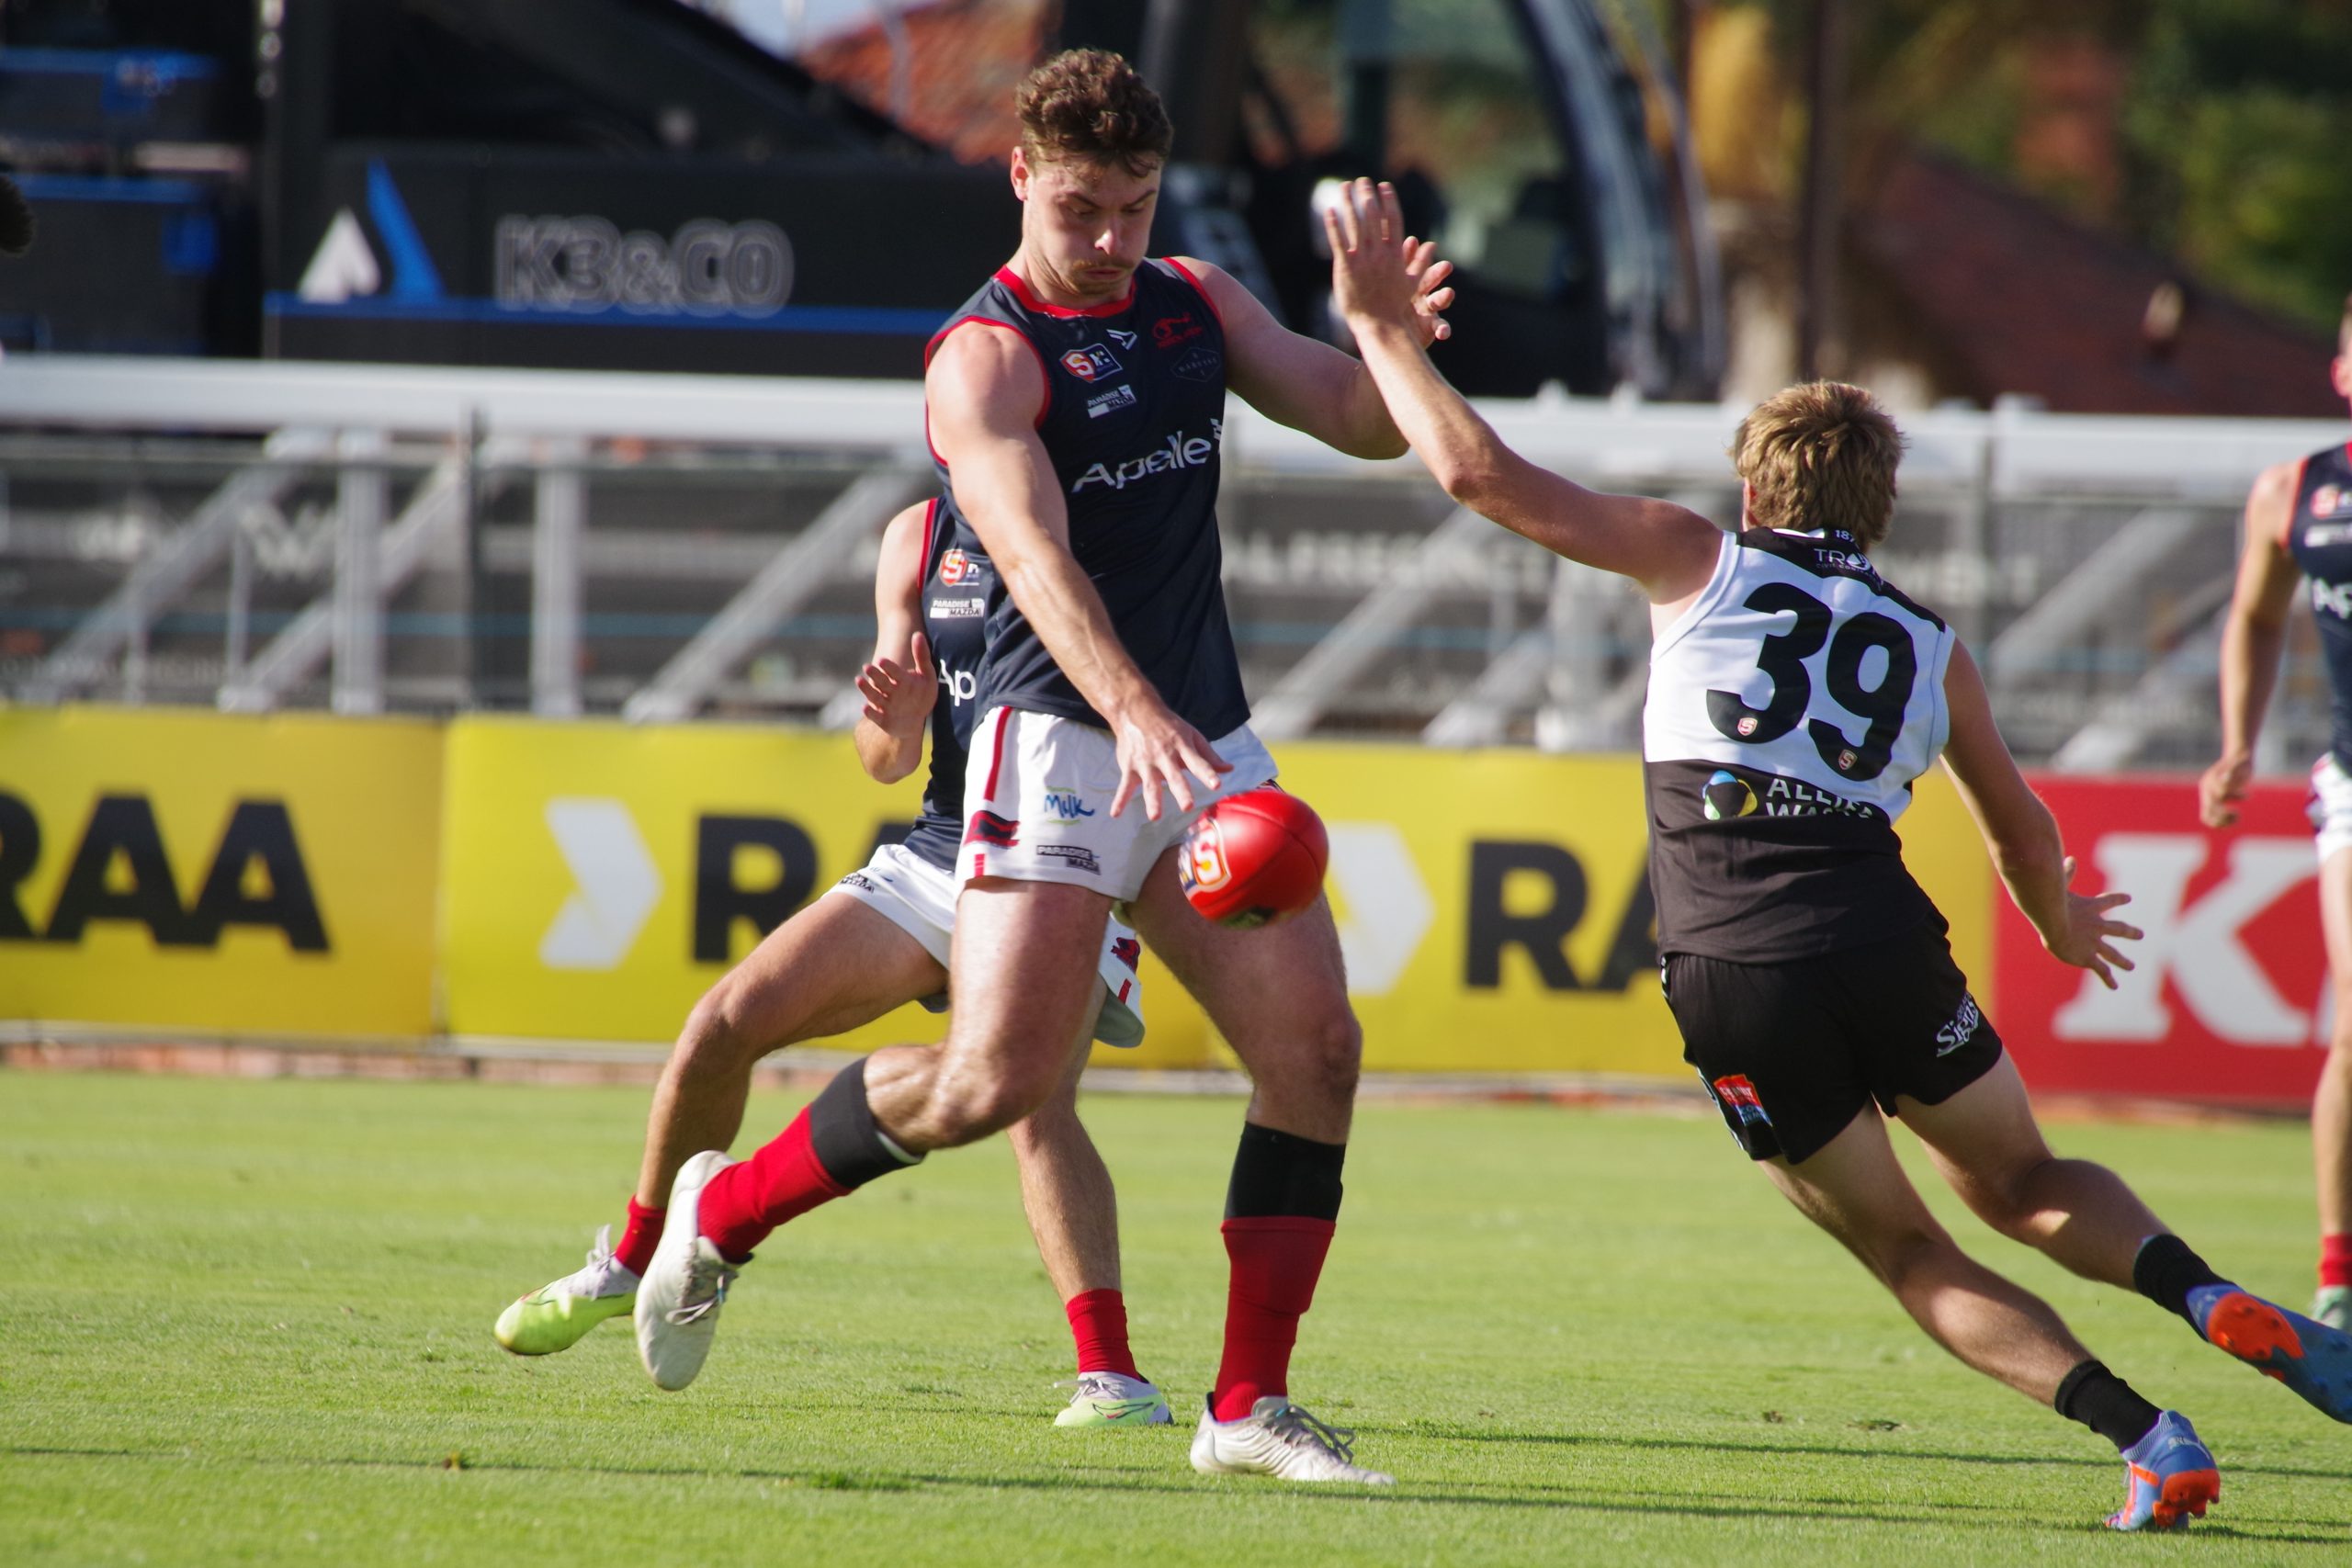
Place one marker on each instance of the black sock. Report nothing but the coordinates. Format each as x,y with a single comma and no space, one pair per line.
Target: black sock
853,1150
1280,1174
2104,1403
2166,1271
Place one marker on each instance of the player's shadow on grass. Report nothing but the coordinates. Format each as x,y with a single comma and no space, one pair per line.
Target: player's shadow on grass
1560,1497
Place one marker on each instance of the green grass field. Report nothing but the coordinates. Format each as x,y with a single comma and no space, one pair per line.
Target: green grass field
249,1323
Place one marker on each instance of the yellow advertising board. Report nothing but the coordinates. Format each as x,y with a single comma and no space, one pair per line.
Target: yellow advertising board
1493,907
598,878
269,876
591,880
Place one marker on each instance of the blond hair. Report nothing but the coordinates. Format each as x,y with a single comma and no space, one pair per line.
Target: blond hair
1822,455
1088,105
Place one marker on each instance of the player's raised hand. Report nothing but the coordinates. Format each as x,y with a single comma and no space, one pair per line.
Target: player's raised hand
1161,752
899,698
2089,938
2220,788
1372,273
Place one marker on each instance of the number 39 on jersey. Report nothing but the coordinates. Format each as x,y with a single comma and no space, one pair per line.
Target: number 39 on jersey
1800,662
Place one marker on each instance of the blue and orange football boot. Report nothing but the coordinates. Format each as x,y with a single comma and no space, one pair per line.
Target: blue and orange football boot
2310,1358
2169,1476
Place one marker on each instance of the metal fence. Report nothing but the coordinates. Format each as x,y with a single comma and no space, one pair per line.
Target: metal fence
375,538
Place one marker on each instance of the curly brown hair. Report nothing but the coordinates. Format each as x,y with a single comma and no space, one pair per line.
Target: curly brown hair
1088,105
1822,455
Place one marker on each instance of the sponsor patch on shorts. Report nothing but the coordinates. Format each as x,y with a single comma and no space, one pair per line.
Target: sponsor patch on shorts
1963,1027
1738,1096
1077,857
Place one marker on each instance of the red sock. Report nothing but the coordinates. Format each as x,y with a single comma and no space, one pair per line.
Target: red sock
1098,1321
2335,1259
639,1237
744,1203
1276,1261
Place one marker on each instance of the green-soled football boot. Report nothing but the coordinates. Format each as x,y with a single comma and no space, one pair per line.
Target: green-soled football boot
1113,1399
556,1317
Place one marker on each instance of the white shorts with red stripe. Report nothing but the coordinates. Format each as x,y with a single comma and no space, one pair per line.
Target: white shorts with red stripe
920,899
1037,803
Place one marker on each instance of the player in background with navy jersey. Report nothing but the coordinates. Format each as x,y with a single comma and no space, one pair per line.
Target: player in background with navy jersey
1794,696
878,941
2298,527
1075,407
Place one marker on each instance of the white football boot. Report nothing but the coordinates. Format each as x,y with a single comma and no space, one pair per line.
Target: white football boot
2332,1307
1280,1439
685,1286
1114,1399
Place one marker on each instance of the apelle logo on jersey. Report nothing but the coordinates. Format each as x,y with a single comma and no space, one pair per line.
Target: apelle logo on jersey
1180,451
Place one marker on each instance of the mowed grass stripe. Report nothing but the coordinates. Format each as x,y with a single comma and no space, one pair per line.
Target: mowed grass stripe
249,1323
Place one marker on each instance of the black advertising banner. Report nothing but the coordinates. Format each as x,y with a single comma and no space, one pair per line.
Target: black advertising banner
806,266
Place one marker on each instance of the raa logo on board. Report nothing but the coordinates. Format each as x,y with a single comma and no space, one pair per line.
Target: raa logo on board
119,871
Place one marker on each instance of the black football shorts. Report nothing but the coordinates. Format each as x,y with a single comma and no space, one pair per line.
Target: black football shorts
1792,1050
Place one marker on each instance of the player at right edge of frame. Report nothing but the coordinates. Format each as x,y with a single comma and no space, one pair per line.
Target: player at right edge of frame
1794,696
2298,524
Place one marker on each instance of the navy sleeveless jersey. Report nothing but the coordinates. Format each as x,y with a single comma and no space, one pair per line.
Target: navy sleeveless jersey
2319,534
1132,421
956,585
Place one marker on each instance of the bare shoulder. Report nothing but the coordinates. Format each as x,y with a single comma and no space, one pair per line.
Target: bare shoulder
2270,504
977,349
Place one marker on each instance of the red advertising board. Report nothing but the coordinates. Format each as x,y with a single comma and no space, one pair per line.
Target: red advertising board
2229,1001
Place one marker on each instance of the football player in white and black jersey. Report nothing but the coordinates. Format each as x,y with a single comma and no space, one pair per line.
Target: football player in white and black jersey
1794,696
876,941
2299,529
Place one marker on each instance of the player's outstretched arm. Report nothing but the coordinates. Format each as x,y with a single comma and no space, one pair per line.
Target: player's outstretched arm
897,683
1307,383
1669,549
2251,639
984,390
2022,837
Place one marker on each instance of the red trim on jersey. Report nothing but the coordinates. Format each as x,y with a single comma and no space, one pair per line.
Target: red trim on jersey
1045,405
1201,287
996,756
1029,300
930,542
2286,539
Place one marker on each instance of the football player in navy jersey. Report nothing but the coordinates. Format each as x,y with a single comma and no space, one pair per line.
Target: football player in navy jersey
1794,696
1076,409
2298,527
877,942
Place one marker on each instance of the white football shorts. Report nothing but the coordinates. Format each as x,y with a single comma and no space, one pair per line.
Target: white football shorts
2330,806
920,899
1037,803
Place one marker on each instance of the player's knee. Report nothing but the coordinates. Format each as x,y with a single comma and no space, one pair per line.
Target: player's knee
720,1035
1906,1256
1335,1052
965,1113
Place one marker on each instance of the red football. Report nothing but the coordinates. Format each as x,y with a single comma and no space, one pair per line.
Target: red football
1253,858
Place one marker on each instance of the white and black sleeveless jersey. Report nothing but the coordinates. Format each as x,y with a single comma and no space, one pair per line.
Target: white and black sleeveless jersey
1790,709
